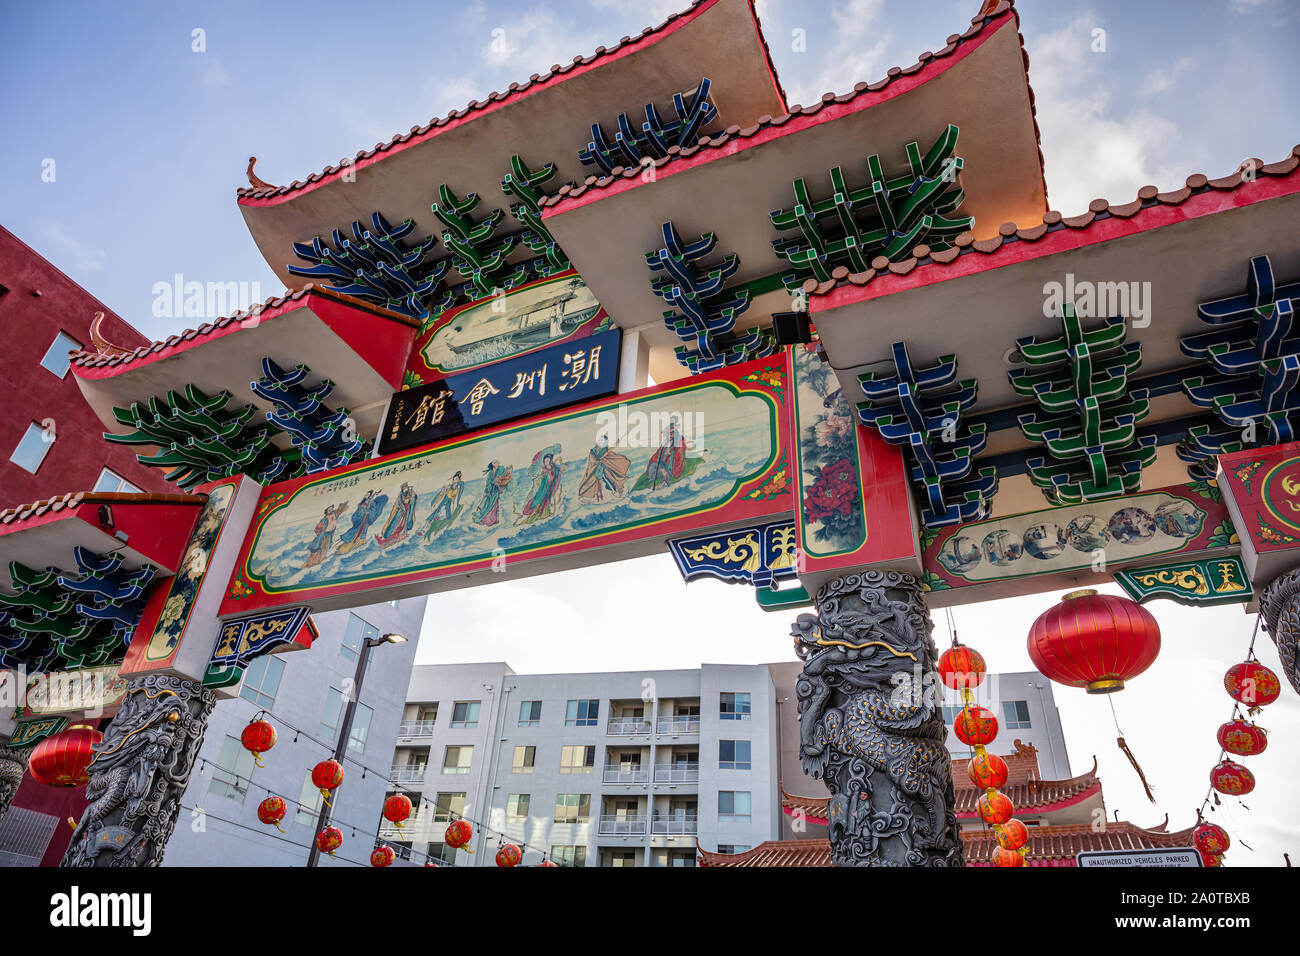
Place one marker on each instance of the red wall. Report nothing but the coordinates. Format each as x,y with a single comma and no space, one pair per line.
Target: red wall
29,324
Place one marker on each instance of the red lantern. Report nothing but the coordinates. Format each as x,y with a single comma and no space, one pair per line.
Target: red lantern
1004,857
271,810
975,726
382,856
547,863
63,760
397,808
1232,779
987,771
1242,738
1095,641
961,667
1211,859
1012,835
258,737
327,775
329,840
458,834
995,808
1252,684
508,855
1211,839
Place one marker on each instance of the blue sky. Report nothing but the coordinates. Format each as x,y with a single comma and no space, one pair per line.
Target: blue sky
150,141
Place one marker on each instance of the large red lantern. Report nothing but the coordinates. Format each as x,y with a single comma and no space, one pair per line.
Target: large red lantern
1004,857
995,808
397,808
961,666
987,771
458,834
1232,779
329,840
1211,839
1095,641
272,810
1212,859
1242,738
1012,835
326,776
1252,684
382,855
258,737
508,855
975,726
63,760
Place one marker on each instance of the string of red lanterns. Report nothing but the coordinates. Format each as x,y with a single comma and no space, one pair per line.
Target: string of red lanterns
963,668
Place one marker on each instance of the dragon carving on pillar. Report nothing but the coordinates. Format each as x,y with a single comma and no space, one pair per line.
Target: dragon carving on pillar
13,764
139,772
871,726
1279,604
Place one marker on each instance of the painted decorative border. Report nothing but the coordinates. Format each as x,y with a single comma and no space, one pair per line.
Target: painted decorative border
1205,582
1265,485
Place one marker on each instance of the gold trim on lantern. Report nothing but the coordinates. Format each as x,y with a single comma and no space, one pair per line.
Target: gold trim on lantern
1081,593
1108,685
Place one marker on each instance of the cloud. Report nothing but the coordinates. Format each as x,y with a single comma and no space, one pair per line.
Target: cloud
1090,149
69,253
1160,81
214,74
857,53
533,41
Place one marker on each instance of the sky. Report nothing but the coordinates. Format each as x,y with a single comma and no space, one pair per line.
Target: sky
126,134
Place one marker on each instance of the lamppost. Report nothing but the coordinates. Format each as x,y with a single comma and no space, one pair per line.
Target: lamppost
345,732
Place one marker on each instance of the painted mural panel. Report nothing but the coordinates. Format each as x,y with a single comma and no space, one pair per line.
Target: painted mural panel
1182,519
535,315
1266,486
630,467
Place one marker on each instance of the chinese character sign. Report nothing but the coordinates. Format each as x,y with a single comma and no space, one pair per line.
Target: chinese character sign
546,379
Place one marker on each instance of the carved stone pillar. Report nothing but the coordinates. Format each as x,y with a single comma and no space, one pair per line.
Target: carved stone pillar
1279,603
13,764
139,773
871,726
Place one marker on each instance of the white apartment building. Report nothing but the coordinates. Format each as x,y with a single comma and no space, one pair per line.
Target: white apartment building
1026,711
611,769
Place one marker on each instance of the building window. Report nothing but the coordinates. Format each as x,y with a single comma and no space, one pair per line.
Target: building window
448,807
731,848
530,713
582,713
950,712
1017,714
33,447
733,755
358,631
577,759
457,759
56,356
734,707
111,481
428,713
333,715
308,803
524,758
442,855
569,855
517,806
465,714
262,680
234,769
623,858
572,807
733,806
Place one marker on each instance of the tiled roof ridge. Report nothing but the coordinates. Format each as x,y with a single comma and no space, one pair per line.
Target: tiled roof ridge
74,499
1099,210
258,189
88,359
717,140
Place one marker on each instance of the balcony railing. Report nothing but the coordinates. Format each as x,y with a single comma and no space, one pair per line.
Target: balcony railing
406,773
621,825
686,822
677,773
679,725
416,728
617,773
627,726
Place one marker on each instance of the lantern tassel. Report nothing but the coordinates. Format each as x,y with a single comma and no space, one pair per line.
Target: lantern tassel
257,759
325,796
1138,767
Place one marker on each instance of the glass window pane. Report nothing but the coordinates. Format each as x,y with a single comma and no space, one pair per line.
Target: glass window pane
33,447
262,680
360,728
56,356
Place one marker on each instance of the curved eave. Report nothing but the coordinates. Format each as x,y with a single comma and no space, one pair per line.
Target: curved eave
363,349
143,528
979,82
546,119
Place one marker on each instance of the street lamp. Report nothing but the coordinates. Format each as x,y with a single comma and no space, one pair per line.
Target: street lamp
345,732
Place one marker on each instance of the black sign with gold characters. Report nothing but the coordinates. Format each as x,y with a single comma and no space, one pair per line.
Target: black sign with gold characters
489,395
